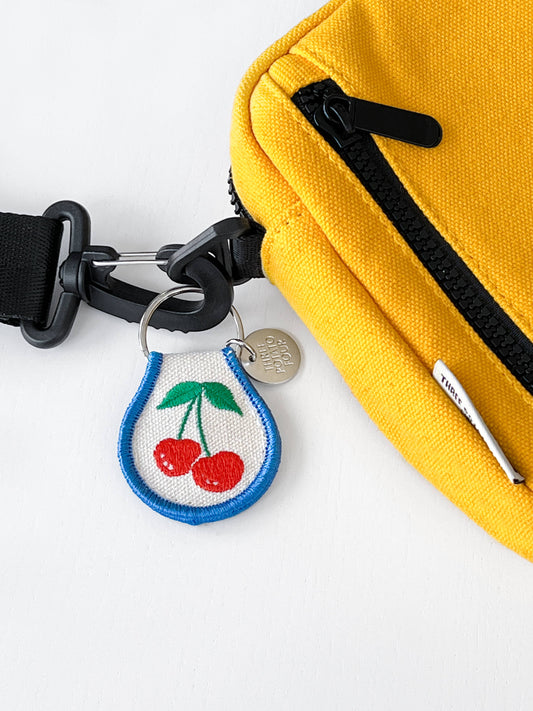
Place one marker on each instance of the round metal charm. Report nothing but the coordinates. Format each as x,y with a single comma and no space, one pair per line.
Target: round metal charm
277,356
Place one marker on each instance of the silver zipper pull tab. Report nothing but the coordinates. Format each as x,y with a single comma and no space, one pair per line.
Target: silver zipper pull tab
455,391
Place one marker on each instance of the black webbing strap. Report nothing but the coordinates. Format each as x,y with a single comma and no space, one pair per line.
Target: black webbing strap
245,251
246,256
29,254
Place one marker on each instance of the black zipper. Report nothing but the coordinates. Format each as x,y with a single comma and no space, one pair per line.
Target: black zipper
334,115
235,200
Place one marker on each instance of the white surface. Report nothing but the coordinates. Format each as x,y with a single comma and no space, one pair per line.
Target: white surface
353,584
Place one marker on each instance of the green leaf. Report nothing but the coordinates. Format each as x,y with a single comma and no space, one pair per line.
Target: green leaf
183,392
220,396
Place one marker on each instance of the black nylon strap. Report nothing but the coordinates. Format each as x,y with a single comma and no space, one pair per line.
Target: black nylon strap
245,251
246,255
29,253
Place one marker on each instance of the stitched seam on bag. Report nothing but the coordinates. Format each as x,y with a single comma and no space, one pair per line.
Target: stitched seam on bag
452,239
285,53
400,242
287,216
315,57
306,211
406,343
296,43
274,231
285,222
266,73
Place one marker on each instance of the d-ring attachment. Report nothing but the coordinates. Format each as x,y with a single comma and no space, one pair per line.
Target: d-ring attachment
168,294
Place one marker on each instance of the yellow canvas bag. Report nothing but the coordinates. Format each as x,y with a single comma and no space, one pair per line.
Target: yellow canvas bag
401,247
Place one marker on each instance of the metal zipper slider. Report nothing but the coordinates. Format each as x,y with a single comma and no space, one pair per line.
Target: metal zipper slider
342,116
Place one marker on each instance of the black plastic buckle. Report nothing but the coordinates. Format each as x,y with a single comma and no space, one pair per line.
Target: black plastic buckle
216,241
86,274
67,307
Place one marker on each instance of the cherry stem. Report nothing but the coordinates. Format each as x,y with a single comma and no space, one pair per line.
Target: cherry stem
184,421
200,428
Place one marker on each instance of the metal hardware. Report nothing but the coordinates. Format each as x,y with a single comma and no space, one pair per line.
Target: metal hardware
240,343
154,305
278,356
135,258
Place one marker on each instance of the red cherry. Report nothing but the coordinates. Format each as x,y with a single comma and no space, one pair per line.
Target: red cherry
176,456
221,472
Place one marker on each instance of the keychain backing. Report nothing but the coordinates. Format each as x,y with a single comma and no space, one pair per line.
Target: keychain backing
197,443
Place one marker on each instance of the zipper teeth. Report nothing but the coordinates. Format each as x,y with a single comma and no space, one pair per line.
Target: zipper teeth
462,287
235,200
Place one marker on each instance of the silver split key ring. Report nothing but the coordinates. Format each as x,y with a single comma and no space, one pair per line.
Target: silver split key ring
179,291
272,356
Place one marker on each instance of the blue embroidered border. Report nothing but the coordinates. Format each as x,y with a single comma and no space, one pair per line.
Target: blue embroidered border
195,514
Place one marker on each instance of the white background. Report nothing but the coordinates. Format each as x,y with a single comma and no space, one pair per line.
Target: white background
353,584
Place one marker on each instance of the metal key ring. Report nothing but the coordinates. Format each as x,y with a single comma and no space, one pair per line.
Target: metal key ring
161,298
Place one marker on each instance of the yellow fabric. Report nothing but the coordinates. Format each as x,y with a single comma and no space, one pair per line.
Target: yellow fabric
330,249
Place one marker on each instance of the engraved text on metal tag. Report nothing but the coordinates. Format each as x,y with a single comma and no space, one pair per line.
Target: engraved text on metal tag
277,356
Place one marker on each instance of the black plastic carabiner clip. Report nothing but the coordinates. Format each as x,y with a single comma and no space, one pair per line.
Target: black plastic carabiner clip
207,263
92,279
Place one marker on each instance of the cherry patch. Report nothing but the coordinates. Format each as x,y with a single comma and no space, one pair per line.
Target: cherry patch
176,457
221,472
197,443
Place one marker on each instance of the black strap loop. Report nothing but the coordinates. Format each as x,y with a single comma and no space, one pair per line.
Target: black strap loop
29,254
246,256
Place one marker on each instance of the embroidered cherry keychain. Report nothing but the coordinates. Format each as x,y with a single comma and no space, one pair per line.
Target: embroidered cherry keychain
198,443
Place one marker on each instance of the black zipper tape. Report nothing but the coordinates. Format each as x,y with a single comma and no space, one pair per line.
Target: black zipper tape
246,253
361,154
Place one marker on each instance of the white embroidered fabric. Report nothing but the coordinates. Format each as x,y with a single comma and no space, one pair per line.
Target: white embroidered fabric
224,430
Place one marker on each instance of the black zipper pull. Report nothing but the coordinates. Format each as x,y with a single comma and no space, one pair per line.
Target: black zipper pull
342,116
